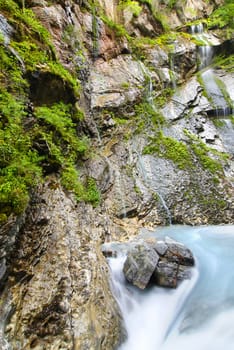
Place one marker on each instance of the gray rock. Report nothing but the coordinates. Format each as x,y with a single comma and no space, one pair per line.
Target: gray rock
140,265
2,268
180,254
165,274
184,273
160,247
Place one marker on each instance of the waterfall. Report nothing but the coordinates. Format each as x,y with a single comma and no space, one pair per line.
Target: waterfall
172,66
213,89
205,51
95,33
199,314
211,82
5,29
205,54
226,132
149,88
197,28
5,310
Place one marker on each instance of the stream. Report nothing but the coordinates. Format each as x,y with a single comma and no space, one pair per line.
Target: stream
199,314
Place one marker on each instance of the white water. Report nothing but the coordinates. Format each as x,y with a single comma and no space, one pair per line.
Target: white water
205,51
213,90
199,314
226,132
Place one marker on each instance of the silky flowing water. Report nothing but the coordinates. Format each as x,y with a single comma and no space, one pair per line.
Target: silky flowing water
199,314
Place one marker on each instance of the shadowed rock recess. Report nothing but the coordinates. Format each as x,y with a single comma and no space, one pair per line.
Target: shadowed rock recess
114,115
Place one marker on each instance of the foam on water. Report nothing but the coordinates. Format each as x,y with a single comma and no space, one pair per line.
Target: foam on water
199,314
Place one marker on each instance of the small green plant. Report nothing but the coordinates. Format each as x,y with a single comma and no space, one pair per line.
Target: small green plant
87,192
125,85
118,29
226,63
145,114
92,194
171,4
132,6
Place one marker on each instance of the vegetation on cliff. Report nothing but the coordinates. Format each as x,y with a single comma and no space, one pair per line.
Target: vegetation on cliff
36,137
41,132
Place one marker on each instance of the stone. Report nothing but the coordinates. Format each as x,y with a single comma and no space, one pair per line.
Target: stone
178,253
165,274
116,82
2,268
160,247
184,273
140,265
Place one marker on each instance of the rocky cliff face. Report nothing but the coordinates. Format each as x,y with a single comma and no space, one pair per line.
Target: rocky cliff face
161,150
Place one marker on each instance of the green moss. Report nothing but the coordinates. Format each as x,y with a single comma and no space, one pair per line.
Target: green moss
11,75
226,63
222,16
84,192
165,95
171,4
162,19
121,121
146,114
169,148
92,194
118,29
125,85
36,143
132,6
167,39
140,46
19,163
203,154
146,2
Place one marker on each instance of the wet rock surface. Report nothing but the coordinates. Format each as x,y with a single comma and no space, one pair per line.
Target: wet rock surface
58,278
164,263
54,281
140,265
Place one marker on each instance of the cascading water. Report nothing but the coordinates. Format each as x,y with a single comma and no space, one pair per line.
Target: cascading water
199,314
144,167
226,132
205,55
5,310
205,51
172,66
210,81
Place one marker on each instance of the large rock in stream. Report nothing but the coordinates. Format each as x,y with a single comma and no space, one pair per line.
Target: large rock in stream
163,263
140,264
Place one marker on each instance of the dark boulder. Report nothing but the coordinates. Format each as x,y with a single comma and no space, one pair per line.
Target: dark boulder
178,253
165,274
